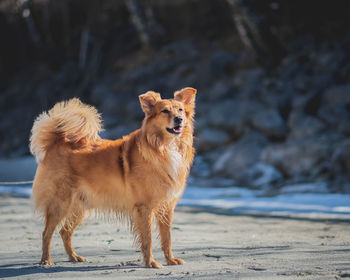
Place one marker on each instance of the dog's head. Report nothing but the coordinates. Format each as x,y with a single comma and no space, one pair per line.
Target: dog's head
168,117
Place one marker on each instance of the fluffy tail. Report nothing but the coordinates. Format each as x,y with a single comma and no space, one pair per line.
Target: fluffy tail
70,121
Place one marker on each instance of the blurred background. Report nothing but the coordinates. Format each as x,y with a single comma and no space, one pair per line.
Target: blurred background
273,80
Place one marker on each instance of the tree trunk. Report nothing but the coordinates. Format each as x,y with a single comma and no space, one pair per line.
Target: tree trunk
256,34
143,19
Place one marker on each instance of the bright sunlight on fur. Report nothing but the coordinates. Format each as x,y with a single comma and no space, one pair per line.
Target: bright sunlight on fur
140,177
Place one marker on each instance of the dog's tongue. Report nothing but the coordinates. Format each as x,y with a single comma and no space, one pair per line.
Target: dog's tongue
177,129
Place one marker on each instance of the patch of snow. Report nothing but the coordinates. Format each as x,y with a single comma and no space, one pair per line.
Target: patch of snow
245,201
25,191
249,202
316,187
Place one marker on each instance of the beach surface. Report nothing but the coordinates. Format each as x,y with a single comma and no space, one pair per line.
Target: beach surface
212,244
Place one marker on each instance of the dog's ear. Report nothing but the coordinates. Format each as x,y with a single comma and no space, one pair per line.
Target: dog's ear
187,96
148,100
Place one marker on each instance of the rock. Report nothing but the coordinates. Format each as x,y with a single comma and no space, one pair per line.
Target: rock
184,49
132,110
297,159
345,187
248,78
107,101
200,168
99,94
238,157
211,138
232,115
335,108
211,182
340,184
120,130
273,98
269,122
222,63
304,126
327,62
301,83
249,82
321,80
307,103
289,67
213,155
340,160
219,91
315,187
261,175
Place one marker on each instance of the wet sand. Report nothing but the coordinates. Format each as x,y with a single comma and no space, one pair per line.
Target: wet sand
213,246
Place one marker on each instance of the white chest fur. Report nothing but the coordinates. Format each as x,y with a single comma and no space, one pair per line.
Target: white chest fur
175,162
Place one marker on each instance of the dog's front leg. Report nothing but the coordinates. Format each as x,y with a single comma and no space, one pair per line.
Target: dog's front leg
165,220
143,229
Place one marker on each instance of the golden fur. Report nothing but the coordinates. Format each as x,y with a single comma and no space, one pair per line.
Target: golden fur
140,176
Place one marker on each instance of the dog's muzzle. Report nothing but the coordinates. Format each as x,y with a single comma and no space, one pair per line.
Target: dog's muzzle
177,129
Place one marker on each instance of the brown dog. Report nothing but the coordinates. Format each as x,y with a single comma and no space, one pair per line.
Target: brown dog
139,177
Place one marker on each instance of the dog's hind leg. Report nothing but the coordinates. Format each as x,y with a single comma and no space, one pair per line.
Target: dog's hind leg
53,216
67,230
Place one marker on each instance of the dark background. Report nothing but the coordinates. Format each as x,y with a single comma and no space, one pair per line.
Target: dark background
273,78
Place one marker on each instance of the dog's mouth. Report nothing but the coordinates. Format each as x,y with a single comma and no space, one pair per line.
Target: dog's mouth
176,130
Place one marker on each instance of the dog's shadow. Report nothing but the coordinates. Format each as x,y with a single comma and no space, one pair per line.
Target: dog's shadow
22,269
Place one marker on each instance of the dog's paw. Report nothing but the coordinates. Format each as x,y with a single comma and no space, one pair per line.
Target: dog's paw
175,261
47,262
77,258
154,264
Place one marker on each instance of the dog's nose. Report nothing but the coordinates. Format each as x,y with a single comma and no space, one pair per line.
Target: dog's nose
177,120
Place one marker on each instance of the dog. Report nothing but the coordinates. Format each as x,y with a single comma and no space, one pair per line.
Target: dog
140,177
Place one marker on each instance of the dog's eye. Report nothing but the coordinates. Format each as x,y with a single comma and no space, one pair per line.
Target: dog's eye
165,111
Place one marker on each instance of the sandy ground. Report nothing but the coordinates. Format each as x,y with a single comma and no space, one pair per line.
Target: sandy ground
213,246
